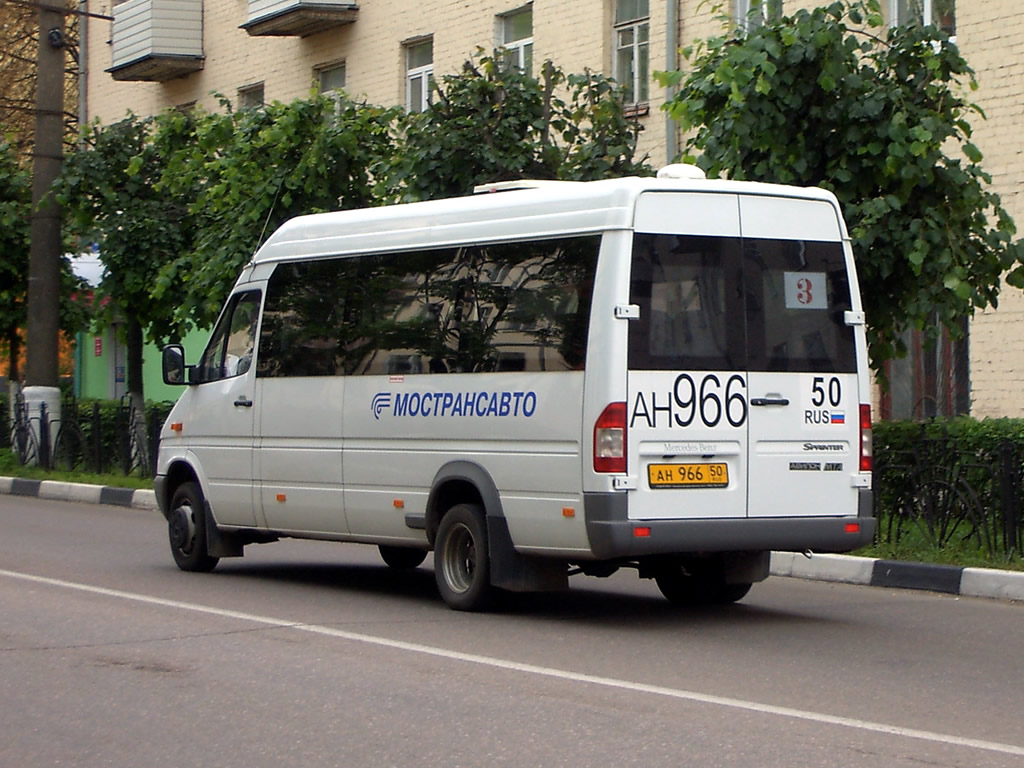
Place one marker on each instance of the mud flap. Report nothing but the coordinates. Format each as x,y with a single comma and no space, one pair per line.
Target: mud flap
217,543
518,573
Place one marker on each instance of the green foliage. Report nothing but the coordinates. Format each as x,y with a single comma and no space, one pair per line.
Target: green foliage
244,173
820,98
179,202
15,224
953,486
107,189
15,207
494,123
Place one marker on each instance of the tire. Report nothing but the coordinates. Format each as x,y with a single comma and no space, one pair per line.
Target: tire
461,565
697,582
186,528
402,557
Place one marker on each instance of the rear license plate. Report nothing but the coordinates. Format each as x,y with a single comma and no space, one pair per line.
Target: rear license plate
688,475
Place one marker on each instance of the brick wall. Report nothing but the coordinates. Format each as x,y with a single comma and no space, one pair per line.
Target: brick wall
991,37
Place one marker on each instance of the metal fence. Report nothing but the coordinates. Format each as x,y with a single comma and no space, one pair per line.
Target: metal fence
950,494
88,437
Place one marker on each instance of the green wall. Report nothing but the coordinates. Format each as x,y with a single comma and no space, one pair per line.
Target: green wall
94,374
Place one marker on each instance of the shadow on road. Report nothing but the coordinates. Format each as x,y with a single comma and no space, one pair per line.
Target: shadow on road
591,601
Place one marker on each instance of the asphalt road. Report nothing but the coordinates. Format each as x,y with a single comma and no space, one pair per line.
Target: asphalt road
313,654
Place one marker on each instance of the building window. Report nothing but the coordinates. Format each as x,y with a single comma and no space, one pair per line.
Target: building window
331,77
632,54
751,14
250,96
419,74
932,381
516,37
939,13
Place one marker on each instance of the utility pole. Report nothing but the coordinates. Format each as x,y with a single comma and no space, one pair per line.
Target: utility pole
45,247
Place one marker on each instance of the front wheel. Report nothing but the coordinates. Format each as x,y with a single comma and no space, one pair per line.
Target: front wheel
461,565
186,527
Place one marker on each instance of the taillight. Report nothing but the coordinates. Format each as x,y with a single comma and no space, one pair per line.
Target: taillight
610,439
866,461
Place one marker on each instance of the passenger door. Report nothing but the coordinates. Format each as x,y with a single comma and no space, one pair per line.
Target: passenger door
220,424
300,390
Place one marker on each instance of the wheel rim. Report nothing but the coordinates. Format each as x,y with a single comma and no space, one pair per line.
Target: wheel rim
183,528
459,562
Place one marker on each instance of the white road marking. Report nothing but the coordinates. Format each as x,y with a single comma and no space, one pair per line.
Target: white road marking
533,669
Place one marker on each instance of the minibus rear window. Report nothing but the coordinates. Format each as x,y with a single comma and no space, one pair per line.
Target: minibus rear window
728,304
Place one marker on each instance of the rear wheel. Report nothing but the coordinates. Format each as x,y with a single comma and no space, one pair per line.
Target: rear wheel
461,565
402,557
186,528
697,582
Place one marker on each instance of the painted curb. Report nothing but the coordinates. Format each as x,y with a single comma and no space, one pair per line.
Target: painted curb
842,569
80,492
845,569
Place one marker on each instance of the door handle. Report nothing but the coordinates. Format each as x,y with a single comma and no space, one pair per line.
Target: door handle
769,401
244,402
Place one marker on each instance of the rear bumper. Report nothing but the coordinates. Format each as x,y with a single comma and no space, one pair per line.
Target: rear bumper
612,535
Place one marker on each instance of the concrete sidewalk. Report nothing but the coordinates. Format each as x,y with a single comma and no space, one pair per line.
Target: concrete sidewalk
844,569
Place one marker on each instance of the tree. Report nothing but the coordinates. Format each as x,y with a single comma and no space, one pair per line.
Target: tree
15,210
107,189
822,98
246,172
15,200
493,122
19,31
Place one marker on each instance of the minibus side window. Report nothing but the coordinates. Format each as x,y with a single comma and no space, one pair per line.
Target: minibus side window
305,318
231,346
514,306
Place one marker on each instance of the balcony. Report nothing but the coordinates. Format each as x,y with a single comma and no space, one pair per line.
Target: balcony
300,18
156,40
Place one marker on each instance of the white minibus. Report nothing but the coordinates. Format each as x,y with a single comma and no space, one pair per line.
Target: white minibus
535,381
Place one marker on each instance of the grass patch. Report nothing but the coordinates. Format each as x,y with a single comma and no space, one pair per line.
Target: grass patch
959,548
9,467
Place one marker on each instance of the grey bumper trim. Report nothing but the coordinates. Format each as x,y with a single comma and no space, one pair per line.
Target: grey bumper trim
612,534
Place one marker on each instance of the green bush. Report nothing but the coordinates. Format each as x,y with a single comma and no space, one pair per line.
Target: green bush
951,485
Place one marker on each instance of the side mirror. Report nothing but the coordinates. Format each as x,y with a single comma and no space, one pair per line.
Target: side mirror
173,363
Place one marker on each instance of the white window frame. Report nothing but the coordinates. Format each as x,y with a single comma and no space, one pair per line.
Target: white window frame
639,29
332,66
926,13
422,74
247,93
518,52
751,14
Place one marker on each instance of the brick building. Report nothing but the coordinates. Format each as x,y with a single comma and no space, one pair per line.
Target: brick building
174,53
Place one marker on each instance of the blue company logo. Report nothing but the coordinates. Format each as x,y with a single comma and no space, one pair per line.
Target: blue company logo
381,402
454,404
